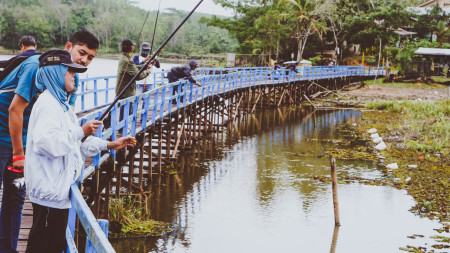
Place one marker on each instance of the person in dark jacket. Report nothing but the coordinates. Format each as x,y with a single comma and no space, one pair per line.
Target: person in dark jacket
178,72
291,68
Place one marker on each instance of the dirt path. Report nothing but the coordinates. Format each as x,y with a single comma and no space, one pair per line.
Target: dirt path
372,92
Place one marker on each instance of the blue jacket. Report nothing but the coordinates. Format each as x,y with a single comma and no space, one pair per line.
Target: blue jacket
138,61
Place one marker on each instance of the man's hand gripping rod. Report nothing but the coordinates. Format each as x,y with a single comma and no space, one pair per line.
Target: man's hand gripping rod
145,65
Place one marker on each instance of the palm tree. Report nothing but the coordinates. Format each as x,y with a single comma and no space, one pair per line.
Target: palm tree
442,33
308,16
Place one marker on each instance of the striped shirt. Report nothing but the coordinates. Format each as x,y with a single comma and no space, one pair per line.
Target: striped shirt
21,82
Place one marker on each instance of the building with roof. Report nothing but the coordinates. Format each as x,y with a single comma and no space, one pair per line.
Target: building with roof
442,3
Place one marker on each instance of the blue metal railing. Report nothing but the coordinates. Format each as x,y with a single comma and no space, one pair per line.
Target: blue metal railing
100,91
159,101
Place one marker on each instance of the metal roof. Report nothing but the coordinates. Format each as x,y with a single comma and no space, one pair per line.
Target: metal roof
426,10
432,51
404,32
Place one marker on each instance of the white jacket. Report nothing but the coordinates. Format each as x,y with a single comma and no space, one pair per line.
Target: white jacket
51,155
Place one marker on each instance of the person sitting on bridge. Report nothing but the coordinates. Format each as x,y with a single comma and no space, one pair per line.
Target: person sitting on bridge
178,72
145,55
54,157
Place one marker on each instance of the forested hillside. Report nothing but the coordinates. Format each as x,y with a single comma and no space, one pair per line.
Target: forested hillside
52,22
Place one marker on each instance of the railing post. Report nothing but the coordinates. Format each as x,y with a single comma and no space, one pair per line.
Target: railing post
95,94
104,225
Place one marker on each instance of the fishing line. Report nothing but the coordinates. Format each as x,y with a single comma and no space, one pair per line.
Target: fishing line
153,39
137,42
154,30
106,112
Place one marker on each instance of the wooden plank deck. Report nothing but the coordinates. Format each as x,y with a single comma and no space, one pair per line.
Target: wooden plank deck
27,221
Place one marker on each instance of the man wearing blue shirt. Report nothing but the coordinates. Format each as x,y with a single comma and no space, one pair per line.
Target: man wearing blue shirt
16,93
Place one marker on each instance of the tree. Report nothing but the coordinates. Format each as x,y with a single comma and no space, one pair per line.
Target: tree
380,23
309,19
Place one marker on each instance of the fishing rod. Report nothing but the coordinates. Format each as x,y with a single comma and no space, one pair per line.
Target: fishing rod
139,37
153,38
154,29
146,65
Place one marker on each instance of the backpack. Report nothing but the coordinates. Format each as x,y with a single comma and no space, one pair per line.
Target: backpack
6,67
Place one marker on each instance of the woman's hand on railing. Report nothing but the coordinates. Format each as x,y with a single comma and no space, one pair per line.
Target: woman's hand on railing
90,127
198,84
122,142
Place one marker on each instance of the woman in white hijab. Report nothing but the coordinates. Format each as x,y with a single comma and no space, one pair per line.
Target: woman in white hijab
54,155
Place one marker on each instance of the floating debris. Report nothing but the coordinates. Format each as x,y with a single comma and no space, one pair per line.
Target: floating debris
381,146
377,140
372,131
392,166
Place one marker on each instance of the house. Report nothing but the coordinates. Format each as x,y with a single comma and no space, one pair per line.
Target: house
442,3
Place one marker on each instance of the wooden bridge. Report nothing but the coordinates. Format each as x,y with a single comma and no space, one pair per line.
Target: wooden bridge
165,125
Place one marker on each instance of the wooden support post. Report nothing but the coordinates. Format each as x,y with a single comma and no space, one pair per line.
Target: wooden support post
178,141
130,172
310,101
160,149
150,157
337,221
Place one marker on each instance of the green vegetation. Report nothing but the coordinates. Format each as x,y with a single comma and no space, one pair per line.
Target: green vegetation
415,85
426,124
282,27
130,217
259,30
52,22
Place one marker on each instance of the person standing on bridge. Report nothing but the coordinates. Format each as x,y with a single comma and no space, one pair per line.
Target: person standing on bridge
127,70
16,100
145,55
27,46
54,157
82,46
16,94
142,58
178,72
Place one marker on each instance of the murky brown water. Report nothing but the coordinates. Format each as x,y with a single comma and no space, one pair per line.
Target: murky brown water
251,192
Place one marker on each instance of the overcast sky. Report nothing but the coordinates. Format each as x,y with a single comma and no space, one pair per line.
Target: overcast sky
207,6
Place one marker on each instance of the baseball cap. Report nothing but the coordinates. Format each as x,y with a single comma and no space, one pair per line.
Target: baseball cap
145,45
193,63
60,57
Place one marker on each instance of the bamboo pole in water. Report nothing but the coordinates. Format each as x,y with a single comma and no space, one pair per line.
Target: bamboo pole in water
337,221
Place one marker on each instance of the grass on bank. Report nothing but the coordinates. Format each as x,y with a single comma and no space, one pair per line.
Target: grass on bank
416,85
426,124
129,217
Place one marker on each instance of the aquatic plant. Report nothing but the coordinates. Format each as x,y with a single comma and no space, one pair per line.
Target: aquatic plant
130,217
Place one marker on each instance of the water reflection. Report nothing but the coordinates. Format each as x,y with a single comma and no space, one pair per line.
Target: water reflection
250,191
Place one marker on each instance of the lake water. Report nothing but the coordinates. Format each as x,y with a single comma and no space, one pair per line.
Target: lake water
252,191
